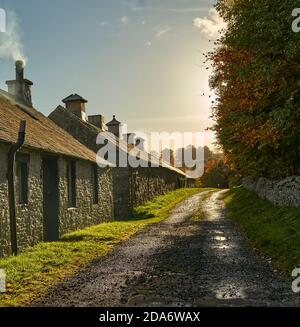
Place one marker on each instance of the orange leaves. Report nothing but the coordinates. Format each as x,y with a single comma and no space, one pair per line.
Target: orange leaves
256,76
209,165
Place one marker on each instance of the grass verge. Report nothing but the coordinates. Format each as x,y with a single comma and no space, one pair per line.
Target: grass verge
30,274
273,231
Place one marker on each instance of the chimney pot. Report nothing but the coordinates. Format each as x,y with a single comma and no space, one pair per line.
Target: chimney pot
97,120
19,70
20,88
76,104
114,127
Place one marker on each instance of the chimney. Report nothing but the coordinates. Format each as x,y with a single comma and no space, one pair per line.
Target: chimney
76,104
20,88
97,120
19,70
114,127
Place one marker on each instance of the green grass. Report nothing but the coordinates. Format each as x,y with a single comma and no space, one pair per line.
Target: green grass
30,274
273,231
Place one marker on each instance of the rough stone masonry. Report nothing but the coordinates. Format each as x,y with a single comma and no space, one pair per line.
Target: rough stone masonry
281,193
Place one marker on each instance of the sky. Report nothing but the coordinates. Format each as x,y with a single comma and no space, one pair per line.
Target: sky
141,60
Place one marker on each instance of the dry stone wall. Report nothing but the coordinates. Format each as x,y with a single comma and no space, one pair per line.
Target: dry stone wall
281,193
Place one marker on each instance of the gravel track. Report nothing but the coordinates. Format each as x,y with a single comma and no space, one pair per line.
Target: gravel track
179,262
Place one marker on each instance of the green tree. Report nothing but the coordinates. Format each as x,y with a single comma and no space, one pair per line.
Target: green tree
257,81
216,174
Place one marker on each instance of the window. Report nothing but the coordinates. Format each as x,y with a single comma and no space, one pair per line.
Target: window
22,177
71,177
95,184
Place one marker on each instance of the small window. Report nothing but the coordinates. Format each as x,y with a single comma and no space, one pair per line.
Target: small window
22,177
95,184
71,177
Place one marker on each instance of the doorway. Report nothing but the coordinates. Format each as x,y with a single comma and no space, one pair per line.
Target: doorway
50,199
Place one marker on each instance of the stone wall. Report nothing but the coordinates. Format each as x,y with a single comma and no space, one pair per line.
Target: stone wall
131,186
86,213
281,193
134,187
122,192
86,134
4,215
148,183
30,216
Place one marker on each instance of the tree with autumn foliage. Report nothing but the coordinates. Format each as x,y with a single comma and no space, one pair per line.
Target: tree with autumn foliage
256,77
216,174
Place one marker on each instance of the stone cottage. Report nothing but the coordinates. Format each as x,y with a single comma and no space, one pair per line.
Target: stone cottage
131,186
58,186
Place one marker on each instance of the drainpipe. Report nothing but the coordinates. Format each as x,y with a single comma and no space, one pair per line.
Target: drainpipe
11,186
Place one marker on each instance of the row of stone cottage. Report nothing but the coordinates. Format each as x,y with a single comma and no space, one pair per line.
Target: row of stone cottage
58,186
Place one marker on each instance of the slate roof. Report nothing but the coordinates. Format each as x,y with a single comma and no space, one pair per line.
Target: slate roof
41,132
121,144
74,97
114,122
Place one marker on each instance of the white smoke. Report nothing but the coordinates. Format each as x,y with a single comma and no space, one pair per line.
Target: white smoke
11,46
212,26
2,20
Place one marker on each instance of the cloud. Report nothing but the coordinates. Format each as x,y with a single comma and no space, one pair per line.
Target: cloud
104,23
135,3
162,31
174,118
174,10
210,27
147,5
186,10
125,20
11,46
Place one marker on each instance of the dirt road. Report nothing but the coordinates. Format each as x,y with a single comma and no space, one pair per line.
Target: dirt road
194,258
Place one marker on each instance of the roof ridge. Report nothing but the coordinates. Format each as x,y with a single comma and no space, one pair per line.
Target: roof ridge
123,145
41,132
